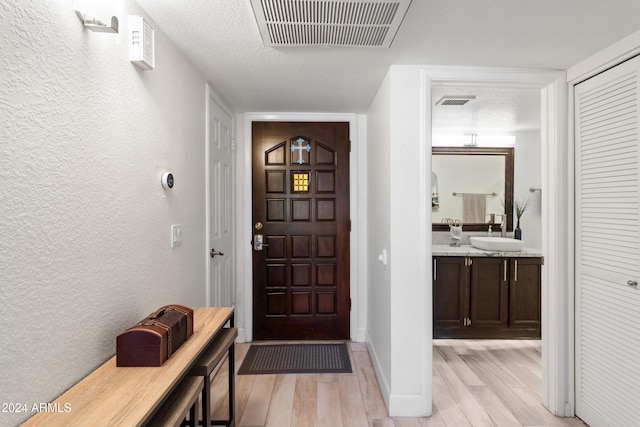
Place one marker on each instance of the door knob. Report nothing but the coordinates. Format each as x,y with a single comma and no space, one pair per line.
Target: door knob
214,253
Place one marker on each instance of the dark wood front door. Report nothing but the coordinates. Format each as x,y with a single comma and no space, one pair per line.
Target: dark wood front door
301,212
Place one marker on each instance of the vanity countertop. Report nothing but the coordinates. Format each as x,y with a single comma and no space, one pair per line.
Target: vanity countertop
468,250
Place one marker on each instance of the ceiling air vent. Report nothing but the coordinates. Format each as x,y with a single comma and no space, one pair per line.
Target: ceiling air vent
349,23
455,100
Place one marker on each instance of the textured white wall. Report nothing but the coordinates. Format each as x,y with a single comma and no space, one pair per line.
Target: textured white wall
84,138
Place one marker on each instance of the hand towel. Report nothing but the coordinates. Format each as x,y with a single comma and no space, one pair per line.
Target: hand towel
473,208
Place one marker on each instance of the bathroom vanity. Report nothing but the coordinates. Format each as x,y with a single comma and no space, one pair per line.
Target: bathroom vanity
486,294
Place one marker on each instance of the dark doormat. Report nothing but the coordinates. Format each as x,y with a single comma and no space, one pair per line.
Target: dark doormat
296,359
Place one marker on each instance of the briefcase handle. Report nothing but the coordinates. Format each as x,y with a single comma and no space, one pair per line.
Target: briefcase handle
157,314
162,310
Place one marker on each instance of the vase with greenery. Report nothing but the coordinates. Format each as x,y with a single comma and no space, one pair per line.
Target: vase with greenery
520,208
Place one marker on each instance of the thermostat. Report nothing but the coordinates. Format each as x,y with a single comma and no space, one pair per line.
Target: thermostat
167,180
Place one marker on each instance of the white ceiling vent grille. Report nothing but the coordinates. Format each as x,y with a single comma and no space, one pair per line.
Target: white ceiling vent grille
349,23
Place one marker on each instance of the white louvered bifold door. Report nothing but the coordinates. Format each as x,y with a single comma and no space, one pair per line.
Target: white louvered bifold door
608,248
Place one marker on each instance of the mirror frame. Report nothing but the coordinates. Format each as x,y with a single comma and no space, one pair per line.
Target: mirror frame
508,153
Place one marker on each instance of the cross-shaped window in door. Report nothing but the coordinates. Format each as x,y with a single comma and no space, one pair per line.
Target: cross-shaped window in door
300,152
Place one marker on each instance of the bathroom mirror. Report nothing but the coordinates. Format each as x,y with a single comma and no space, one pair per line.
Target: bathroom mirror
473,183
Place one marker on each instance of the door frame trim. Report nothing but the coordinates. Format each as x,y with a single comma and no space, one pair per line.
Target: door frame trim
357,288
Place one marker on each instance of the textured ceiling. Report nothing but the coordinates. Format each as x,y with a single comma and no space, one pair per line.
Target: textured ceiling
493,109
222,39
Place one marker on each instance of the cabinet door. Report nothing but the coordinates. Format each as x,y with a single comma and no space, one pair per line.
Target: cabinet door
489,292
524,292
450,293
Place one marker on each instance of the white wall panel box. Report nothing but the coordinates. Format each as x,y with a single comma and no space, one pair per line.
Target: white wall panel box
142,53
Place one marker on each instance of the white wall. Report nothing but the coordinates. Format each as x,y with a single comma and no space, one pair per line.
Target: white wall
378,231
398,163
84,138
527,174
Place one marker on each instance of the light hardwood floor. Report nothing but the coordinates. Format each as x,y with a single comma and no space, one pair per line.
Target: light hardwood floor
475,383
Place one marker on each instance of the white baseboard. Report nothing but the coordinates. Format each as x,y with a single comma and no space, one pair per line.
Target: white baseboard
241,336
383,383
407,405
398,405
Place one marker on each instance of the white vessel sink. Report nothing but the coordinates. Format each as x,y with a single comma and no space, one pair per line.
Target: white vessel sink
502,244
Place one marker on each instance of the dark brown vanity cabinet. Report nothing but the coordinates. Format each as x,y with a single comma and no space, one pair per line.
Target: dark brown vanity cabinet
525,295
489,293
486,297
450,292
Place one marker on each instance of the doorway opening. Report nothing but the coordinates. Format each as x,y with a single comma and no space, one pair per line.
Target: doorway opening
556,332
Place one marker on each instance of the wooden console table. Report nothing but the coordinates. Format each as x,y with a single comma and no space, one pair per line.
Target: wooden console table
112,396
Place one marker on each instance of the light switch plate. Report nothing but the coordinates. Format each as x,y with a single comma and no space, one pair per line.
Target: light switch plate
176,235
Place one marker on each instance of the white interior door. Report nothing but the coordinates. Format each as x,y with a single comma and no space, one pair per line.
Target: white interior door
221,196
608,247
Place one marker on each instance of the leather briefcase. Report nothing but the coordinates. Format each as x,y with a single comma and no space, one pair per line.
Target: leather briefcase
153,340
179,319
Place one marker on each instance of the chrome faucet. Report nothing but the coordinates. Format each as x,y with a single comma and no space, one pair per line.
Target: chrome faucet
503,225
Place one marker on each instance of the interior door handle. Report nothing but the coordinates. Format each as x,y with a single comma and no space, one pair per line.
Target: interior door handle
214,253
